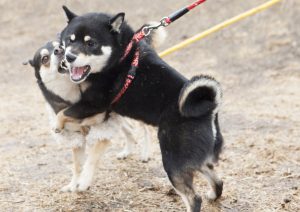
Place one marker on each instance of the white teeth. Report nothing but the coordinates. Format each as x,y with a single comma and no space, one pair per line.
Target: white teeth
77,73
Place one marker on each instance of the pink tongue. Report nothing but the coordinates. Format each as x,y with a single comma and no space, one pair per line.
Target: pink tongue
77,72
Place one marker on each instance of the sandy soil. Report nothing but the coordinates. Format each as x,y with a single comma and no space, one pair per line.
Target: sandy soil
257,62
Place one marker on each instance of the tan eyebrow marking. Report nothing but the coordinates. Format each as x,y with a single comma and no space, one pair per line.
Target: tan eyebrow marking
73,37
44,52
55,43
87,38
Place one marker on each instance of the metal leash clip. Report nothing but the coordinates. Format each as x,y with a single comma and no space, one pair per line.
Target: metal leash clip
148,29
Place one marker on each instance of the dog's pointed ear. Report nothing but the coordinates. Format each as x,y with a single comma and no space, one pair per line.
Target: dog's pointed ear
116,22
70,15
30,62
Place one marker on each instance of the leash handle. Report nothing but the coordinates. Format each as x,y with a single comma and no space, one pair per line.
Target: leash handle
195,4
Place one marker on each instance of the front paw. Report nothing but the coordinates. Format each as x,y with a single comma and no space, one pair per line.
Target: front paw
59,126
69,188
83,185
85,130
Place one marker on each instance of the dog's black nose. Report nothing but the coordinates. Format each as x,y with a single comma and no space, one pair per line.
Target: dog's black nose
58,51
70,58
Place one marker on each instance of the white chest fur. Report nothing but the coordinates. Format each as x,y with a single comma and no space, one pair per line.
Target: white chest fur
60,85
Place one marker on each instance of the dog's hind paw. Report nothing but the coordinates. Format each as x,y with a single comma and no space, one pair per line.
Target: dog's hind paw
211,196
144,155
144,158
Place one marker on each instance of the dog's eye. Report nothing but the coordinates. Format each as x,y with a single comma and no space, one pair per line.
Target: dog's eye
45,59
90,43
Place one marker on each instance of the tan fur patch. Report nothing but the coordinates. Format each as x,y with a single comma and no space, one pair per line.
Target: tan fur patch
73,37
87,38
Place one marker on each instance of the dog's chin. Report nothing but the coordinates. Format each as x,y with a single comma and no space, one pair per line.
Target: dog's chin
79,74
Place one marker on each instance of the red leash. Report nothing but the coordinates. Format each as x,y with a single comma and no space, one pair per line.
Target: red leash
130,76
140,35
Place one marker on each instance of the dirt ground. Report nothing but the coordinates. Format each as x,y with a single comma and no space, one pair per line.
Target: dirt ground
257,63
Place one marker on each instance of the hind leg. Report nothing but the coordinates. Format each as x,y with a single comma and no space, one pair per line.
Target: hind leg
215,183
129,139
145,145
183,184
90,165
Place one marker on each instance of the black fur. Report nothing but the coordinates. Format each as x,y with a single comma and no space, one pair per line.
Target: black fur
186,141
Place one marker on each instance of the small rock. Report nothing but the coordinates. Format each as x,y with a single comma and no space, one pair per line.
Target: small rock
234,200
294,188
172,192
184,37
286,200
287,173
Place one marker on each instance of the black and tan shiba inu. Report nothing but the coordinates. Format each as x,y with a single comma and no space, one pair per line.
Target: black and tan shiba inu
185,111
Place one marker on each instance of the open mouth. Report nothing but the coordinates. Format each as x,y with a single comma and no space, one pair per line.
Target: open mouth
79,73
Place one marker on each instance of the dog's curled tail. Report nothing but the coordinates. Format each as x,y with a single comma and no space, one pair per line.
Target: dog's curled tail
200,96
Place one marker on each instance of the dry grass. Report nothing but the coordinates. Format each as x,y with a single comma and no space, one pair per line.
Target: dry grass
257,62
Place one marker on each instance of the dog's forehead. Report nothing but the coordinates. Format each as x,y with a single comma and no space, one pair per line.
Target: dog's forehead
87,25
80,32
